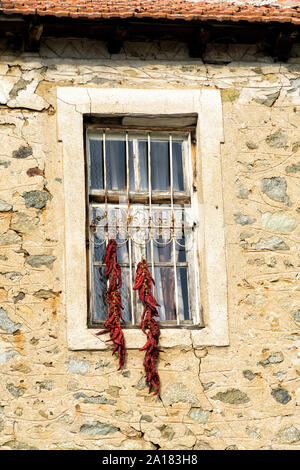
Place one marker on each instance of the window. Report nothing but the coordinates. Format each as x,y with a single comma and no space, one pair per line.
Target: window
200,318
139,193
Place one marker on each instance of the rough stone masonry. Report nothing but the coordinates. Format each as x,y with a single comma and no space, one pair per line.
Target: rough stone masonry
244,396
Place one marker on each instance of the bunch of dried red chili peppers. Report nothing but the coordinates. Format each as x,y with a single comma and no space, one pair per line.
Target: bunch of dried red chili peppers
113,297
149,325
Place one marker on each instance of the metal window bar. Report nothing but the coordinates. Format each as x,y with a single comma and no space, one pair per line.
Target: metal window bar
173,228
128,234
114,227
150,226
150,210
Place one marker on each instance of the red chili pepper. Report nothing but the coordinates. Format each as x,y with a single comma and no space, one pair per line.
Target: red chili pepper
149,325
113,297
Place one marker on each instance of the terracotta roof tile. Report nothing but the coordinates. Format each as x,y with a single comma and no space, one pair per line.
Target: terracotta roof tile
284,11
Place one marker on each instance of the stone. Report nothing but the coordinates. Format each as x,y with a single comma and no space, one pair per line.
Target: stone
278,139
19,297
232,396
100,400
281,374
12,276
296,315
147,418
269,100
96,428
245,235
15,391
229,94
10,238
202,445
17,445
141,385
256,300
251,145
40,260
272,263
242,192
23,368
7,355
7,324
77,367
45,294
281,395
37,199
254,433
166,432
36,171
199,415
34,341
294,168
20,85
208,385
275,188
243,219
278,222
28,99
288,435
178,393
6,86
249,375
113,391
102,364
45,385
274,358
22,152
23,223
4,206
5,163
269,244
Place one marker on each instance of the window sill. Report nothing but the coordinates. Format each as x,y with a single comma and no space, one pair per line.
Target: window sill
86,339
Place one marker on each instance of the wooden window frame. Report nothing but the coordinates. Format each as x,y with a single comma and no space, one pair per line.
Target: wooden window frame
74,104
169,201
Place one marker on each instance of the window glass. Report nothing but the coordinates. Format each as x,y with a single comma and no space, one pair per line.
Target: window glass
143,164
160,166
96,164
156,231
178,173
116,169
115,164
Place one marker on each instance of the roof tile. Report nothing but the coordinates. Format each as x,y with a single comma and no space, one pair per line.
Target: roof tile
276,10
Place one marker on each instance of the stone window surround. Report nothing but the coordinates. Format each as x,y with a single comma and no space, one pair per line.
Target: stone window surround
75,102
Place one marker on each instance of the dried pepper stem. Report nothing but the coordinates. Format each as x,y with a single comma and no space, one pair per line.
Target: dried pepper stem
113,297
149,325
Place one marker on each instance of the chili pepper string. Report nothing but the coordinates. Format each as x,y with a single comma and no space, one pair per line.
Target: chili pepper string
114,301
149,325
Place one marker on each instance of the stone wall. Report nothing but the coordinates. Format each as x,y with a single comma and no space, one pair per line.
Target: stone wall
244,396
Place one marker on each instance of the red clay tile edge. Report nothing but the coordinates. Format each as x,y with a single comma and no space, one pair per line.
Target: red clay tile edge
288,11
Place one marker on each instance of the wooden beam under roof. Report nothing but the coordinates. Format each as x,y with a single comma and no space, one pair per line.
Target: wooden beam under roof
275,39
